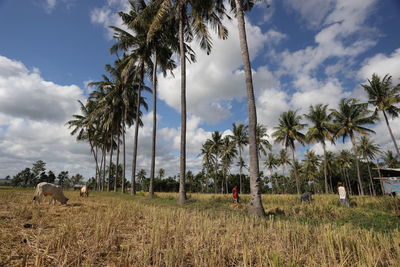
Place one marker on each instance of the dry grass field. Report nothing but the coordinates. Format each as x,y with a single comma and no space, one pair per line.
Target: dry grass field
110,229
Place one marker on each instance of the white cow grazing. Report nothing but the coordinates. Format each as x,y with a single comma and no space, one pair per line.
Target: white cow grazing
47,189
84,191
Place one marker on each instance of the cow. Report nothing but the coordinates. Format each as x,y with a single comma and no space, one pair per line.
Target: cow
47,189
84,192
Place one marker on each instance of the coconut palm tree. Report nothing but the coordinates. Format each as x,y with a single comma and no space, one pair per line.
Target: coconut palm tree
368,150
271,163
215,144
287,133
239,7
283,160
262,143
384,97
241,139
345,159
390,160
321,130
311,164
193,19
349,120
228,154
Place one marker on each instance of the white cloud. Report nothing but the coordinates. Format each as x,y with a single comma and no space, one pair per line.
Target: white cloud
215,80
24,93
382,65
50,5
311,11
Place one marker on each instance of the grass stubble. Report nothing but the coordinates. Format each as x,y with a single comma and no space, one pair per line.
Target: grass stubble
110,229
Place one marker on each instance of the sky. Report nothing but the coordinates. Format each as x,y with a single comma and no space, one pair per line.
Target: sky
302,53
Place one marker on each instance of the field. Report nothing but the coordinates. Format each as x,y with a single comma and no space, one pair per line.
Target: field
109,229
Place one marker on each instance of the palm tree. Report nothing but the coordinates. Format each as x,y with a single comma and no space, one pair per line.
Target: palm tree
368,150
283,160
215,145
384,97
287,133
311,163
262,143
239,7
241,139
228,153
391,160
271,163
349,120
322,129
345,161
194,17
161,173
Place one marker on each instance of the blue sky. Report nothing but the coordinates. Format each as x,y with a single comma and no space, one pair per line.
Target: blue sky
303,52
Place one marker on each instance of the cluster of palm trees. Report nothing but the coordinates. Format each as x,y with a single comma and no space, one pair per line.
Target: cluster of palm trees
155,31
351,119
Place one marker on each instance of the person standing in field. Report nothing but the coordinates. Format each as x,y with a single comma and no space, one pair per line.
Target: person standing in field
344,200
235,194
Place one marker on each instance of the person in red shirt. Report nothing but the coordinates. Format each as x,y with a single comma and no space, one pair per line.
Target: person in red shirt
235,194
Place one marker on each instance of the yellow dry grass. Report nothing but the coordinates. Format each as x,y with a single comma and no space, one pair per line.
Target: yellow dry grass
114,230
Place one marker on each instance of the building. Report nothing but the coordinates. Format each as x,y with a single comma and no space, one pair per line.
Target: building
390,180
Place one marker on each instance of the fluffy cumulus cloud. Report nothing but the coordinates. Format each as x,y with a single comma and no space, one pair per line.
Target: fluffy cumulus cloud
215,80
107,15
33,112
382,64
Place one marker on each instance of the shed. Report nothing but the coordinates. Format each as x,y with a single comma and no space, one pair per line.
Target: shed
390,180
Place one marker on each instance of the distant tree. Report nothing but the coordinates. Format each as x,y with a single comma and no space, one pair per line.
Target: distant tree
287,133
161,173
38,167
24,178
77,179
390,159
141,176
51,177
8,177
63,179
43,178
350,119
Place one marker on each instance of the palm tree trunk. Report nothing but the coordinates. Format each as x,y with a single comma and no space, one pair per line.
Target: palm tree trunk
116,169
123,169
353,141
182,190
296,174
109,166
391,133
153,144
240,171
348,182
135,143
256,206
103,186
325,171
371,181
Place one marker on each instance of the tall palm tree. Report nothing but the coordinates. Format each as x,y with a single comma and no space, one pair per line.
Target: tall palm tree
349,120
321,130
287,133
241,139
162,45
194,17
239,7
368,150
384,97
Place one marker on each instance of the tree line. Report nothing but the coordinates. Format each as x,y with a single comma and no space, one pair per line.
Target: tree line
30,177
